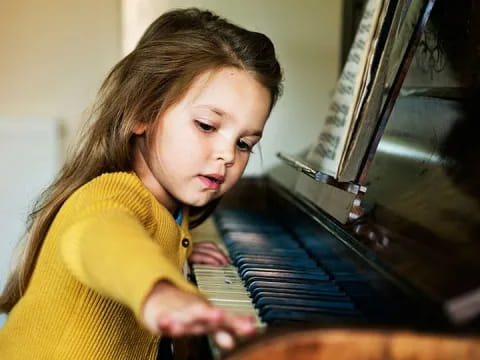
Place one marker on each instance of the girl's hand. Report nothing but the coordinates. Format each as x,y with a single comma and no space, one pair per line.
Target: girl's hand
173,312
208,253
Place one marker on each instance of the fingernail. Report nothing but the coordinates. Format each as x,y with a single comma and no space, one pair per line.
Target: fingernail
224,339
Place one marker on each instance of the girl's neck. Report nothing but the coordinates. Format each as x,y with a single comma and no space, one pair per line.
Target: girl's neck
140,167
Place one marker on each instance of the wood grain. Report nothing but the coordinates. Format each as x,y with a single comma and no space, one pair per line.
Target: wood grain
348,344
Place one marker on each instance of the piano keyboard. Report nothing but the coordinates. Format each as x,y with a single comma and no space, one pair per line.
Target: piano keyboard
225,289
279,277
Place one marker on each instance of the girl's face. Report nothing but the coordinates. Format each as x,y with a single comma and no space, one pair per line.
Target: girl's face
198,149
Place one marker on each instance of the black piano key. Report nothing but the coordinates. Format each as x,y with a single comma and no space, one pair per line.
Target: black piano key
263,252
240,260
313,271
284,294
297,279
257,236
314,275
269,242
262,228
253,266
311,303
298,270
281,317
263,312
259,253
302,263
256,292
317,286
267,251
276,258
273,261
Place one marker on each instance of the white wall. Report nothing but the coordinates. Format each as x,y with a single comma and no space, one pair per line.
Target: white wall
53,56
307,38
29,157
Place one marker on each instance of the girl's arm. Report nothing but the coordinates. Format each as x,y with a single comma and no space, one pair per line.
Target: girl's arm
110,251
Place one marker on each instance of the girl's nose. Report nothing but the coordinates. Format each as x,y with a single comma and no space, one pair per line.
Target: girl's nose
226,153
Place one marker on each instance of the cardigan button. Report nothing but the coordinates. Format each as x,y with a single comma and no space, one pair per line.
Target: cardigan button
185,242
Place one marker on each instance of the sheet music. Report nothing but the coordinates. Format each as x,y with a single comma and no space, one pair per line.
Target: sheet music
326,154
399,31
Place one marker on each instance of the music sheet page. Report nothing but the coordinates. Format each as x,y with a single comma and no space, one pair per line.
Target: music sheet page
326,154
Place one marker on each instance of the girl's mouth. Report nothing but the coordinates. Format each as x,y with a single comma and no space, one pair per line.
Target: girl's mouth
212,182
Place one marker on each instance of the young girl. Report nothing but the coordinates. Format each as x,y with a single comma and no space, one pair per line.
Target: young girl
101,277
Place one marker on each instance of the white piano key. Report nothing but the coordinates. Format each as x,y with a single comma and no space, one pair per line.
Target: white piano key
222,285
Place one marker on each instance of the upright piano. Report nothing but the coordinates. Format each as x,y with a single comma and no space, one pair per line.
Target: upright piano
398,246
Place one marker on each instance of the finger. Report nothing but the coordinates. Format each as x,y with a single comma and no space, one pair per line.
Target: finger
201,258
239,325
202,320
224,340
209,316
210,246
215,253
179,324
177,328
207,244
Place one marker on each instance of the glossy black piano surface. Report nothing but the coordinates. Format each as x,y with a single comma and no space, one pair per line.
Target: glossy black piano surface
412,258
299,265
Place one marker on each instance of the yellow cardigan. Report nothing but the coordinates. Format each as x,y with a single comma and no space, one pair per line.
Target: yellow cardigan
108,245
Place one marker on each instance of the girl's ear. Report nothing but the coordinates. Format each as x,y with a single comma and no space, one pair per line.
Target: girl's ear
140,128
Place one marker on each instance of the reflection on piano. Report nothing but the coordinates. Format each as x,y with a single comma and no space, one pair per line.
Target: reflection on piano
408,261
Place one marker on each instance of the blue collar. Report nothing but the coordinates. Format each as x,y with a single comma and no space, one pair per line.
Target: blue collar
178,216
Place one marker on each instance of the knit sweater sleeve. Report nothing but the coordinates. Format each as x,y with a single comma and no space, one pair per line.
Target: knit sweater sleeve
108,248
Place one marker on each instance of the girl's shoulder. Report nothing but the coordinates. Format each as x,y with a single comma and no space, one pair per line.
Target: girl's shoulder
116,182
117,191
113,189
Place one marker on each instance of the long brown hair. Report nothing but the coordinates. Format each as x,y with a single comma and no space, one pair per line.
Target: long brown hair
176,48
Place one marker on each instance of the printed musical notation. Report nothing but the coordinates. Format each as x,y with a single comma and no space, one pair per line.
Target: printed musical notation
380,42
327,152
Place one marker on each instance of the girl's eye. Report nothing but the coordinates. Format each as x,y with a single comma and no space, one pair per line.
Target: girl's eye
204,126
243,146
